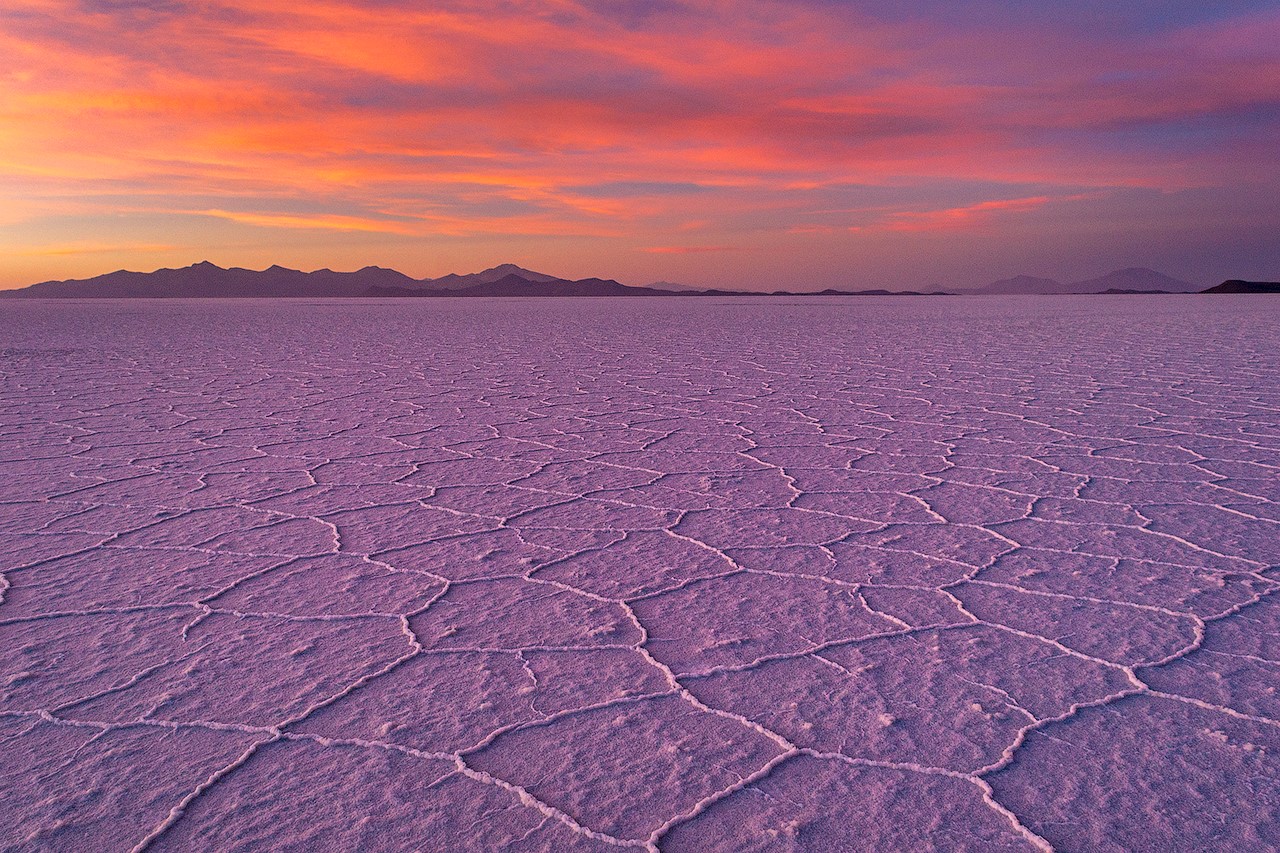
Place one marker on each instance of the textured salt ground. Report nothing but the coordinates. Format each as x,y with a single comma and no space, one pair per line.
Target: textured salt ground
580,575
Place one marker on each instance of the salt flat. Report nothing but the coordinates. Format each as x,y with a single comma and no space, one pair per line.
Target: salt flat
867,574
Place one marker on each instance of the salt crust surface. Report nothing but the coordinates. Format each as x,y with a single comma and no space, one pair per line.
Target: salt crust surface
962,574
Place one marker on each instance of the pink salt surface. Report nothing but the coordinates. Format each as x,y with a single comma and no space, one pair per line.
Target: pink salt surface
802,575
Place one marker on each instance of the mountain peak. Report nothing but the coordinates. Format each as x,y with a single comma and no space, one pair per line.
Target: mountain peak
503,270
1135,278
1022,284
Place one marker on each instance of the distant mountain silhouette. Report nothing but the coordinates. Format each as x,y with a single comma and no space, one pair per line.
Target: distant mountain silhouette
206,280
1235,285
1131,280
517,285
1135,279
1025,284
1121,291
209,280
674,287
453,281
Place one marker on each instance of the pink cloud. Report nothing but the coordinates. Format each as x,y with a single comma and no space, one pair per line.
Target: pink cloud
687,250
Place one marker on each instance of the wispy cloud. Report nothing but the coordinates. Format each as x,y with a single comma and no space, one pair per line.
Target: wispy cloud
687,250
68,249
323,222
961,217
971,215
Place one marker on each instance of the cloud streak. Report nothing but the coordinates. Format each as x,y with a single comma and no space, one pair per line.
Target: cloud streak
687,250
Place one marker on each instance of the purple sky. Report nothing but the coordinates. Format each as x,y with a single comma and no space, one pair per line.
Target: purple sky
747,143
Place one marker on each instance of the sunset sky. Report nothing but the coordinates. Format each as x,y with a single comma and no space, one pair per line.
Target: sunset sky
753,143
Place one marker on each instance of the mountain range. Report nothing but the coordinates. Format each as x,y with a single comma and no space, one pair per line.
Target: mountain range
1131,280
207,280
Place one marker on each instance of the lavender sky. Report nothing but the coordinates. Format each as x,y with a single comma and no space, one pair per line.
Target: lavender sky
761,143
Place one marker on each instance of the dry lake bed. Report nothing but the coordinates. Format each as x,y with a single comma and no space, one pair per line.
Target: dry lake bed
676,574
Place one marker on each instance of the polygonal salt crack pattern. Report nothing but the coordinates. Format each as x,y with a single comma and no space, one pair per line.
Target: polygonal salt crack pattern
680,575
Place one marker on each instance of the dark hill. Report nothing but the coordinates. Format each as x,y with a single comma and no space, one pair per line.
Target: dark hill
1134,280
1235,285
453,281
1025,284
1121,291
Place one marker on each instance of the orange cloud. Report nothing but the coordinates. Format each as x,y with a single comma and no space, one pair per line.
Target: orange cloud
971,215
59,250
326,222
961,217
687,250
